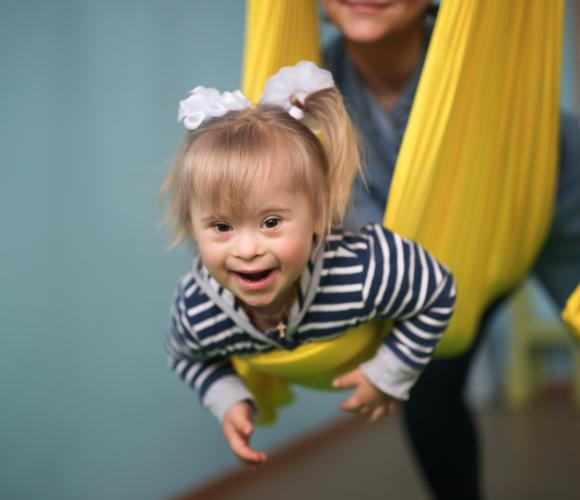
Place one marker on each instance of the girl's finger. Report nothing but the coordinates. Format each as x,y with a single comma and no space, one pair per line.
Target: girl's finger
350,379
377,413
239,445
247,454
351,404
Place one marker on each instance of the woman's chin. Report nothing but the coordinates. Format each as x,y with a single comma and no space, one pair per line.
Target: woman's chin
364,32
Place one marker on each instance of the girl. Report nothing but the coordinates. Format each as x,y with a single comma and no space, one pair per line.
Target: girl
258,191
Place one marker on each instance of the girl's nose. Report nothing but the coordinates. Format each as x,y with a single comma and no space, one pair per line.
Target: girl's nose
248,246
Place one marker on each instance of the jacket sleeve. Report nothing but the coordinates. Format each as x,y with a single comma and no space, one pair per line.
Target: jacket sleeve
213,378
408,285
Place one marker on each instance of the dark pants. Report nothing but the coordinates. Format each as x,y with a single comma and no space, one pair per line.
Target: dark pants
441,428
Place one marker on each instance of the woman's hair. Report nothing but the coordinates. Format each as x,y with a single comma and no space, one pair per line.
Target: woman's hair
219,163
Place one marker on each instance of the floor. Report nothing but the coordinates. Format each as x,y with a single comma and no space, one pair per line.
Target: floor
531,455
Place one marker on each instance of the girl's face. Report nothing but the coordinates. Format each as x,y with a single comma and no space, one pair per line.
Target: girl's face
260,253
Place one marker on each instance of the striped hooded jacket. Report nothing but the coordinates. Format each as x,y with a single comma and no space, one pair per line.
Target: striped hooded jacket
353,277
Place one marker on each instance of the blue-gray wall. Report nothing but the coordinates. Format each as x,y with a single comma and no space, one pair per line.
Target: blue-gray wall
88,97
88,102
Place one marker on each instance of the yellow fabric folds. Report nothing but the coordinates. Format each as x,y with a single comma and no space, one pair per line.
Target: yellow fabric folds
476,173
278,33
312,365
475,176
571,313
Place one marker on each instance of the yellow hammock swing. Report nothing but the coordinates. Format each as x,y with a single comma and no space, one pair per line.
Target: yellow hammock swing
476,173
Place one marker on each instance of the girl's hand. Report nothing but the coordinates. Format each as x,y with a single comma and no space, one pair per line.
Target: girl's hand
366,398
237,427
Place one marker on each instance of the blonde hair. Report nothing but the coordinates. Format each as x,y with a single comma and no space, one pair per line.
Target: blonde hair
219,163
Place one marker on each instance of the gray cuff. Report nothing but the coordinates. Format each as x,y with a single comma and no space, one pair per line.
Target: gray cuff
224,393
389,374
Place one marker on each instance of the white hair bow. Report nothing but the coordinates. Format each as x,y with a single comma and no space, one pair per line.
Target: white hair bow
203,103
295,82
289,84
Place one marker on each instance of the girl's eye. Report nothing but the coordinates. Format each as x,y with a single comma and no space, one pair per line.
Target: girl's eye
271,222
222,227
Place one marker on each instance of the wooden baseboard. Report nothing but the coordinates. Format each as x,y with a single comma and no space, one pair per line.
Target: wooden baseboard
234,479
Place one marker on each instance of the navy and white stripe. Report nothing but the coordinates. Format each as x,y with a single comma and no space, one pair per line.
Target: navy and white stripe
363,275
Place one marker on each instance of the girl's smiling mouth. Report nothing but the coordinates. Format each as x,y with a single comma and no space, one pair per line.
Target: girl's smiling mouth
255,279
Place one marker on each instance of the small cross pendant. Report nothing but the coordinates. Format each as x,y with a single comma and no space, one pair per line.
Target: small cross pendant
281,327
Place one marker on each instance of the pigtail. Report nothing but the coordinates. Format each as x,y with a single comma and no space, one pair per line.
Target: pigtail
326,115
